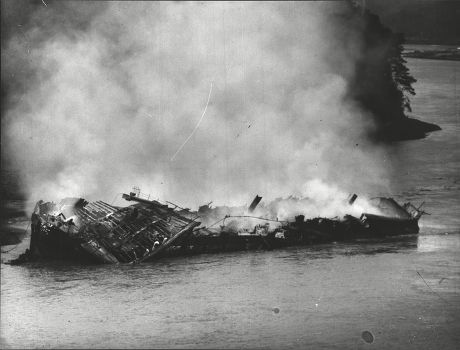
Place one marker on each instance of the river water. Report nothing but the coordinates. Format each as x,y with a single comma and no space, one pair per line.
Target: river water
405,291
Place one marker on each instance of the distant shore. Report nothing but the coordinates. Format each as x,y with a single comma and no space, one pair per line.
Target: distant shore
433,52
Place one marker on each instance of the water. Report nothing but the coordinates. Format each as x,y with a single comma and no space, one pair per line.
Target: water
429,169
425,47
404,291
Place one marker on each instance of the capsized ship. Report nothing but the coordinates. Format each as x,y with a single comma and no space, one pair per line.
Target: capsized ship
96,231
75,229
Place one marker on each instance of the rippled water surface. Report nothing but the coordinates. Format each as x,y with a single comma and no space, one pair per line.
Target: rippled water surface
429,169
404,291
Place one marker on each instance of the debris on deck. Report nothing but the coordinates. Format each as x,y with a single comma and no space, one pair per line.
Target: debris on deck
98,232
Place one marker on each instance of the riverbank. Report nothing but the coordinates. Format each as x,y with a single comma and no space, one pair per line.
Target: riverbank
432,52
408,129
453,55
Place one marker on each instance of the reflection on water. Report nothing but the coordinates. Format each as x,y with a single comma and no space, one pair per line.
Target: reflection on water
227,300
404,291
359,247
433,243
428,170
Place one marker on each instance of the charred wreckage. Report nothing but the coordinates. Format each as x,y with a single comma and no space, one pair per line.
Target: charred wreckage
97,232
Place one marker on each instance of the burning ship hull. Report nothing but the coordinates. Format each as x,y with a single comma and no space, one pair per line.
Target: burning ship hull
98,232
394,220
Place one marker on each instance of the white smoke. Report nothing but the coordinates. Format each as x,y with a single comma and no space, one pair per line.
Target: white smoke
320,200
109,102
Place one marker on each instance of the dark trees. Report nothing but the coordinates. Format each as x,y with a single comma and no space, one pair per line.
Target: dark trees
382,83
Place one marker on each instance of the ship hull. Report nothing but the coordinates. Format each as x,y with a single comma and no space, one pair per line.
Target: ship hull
100,233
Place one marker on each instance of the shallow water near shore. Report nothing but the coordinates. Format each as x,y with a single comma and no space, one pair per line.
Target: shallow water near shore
405,291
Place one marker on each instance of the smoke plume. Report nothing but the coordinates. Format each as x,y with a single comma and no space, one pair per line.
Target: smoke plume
103,95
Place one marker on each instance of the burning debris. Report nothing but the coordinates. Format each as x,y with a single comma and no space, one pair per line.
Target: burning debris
99,232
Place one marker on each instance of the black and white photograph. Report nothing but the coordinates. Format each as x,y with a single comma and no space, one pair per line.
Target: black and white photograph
230,174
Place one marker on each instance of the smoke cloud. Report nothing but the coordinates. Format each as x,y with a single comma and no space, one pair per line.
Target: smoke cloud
106,93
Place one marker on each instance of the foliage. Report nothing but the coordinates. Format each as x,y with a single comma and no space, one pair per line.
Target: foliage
400,73
382,81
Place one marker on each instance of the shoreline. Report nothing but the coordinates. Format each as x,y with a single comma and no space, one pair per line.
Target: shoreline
443,54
